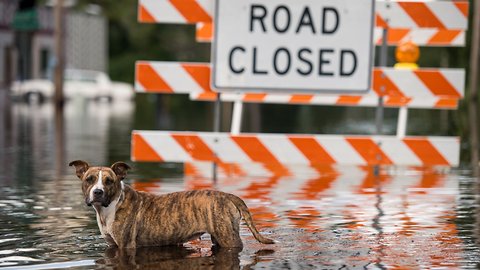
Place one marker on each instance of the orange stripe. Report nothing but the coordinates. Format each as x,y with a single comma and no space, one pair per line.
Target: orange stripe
195,147
191,10
204,31
430,180
397,101
325,169
312,150
190,169
198,150
371,181
462,6
380,22
396,35
348,100
263,216
301,98
304,218
144,15
369,150
232,169
197,183
150,80
448,103
254,97
380,80
201,74
437,83
141,150
259,153
255,149
277,170
314,187
207,96
421,14
444,36
426,152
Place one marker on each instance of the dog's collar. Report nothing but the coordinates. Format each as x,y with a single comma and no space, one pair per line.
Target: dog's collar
121,192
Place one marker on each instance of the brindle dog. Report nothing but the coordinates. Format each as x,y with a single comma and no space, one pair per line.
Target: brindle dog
130,219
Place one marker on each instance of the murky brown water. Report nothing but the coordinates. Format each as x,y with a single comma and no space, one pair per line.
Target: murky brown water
332,218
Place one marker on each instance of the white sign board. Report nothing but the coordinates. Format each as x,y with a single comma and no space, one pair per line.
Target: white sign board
293,45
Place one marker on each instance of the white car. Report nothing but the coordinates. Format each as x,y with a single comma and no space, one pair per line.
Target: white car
88,84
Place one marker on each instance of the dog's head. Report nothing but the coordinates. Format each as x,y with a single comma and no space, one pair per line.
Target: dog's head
100,185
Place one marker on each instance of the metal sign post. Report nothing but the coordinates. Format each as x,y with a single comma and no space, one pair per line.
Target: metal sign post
472,106
217,118
383,63
237,117
379,113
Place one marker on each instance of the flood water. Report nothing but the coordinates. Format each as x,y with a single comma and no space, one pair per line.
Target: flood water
321,218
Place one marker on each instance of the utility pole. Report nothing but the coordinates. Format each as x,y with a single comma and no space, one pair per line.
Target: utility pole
472,108
59,54
58,82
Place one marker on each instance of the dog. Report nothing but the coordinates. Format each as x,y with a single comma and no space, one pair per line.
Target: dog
129,219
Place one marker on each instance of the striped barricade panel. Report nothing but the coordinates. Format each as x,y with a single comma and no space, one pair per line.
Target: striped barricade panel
172,77
422,14
392,14
422,88
420,36
274,150
368,100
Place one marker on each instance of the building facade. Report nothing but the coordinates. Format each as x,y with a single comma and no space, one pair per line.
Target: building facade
27,51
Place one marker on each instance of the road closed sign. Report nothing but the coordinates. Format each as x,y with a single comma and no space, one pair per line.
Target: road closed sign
310,46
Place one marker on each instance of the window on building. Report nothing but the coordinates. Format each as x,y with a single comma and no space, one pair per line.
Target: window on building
44,61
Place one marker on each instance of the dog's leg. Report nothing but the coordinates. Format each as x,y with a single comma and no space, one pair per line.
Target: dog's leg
214,241
127,236
227,234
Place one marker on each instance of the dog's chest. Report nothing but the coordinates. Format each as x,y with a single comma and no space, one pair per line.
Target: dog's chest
105,219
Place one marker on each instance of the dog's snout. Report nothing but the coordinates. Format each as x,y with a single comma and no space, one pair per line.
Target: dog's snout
97,192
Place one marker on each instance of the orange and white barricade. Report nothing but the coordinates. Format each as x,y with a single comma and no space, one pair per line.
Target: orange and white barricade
277,149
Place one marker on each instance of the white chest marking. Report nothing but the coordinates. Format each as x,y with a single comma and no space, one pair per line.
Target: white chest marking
106,215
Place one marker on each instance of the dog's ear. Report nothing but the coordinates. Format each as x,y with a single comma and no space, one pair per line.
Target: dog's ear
120,169
80,167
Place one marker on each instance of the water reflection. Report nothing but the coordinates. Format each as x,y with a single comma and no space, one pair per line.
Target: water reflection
90,128
170,258
321,217
393,216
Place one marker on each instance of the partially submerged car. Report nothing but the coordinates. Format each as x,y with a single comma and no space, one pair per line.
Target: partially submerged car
78,83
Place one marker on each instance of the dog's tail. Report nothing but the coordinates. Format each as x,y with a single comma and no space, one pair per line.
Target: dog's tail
242,207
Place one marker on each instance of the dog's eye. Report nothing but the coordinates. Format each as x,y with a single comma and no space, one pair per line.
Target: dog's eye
90,179
108,181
